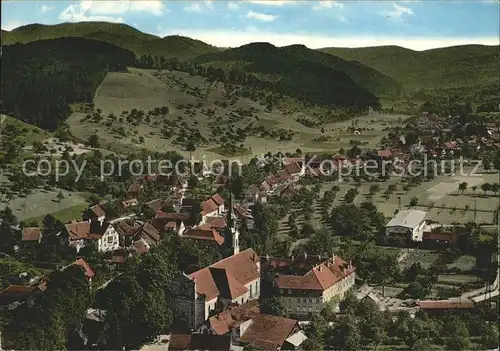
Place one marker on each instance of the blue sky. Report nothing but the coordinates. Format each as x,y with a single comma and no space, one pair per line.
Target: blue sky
414,24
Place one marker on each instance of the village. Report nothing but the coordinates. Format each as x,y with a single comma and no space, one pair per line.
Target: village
263,247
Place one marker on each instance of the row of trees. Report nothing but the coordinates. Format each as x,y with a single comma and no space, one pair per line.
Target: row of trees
485,187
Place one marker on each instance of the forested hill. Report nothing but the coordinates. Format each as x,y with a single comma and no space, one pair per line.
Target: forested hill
117,34
300,73
40,79
450,67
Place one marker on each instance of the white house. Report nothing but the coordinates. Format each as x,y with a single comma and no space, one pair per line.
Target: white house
409,224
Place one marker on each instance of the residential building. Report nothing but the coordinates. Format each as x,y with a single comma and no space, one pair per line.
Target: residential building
95,213
101,234
408,224
235,279
247,326
309,281
32,234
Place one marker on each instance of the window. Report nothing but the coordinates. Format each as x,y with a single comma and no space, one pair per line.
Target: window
110,239
251,290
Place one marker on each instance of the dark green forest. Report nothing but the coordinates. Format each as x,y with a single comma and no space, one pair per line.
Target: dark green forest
41,79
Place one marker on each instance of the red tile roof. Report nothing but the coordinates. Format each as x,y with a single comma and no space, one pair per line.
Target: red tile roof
234,316
320,277
204,232
217,222
149,233
218,199
241,268
155,205
97,211
268,332
293,168
446,304
450,237
89,273
172,215
385,153
32,234
283,174
208,206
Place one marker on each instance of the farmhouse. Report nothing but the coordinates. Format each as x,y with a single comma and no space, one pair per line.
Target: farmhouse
408,223
102,235
235,279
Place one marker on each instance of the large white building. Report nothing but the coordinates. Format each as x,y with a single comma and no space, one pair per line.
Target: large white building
408,224
235,279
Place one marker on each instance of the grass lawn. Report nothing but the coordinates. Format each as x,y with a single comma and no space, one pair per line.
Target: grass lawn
29,133
64,216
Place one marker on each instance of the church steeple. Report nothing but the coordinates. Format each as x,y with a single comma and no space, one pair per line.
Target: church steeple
231,223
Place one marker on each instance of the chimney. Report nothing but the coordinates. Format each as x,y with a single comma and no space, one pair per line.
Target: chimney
350,264
333,258
305,255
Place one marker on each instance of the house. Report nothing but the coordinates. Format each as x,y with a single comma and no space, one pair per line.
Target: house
89,273
94,213
219,201
14,295
134,189
148,236
247,326
439,307
130,203
408,224
126,229
283,176
294,170
233,280
154,205
252,193
206,342
209,209
172,222
309,281
206,233
102,235
32,234
268,332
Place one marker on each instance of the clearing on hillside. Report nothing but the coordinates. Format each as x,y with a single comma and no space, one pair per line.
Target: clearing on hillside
175,111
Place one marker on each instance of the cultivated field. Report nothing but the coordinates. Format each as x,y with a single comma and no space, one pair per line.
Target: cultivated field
196,104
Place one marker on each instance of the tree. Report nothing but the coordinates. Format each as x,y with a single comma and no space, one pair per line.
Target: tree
374,188
474,189
93,141
413,201
462,187
495,187
486,164
351,195
489,337
485,187
456,333
273,305
38,147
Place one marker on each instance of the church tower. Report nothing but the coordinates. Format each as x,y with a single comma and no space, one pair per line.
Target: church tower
232,225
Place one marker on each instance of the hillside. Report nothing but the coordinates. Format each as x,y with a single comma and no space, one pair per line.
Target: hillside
303,73
41,79
117,34
450,67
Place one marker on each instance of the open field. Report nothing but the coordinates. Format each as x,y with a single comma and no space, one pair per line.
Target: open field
28,132
42,202
197,105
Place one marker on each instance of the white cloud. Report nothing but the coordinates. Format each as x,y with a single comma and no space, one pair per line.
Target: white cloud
398,12
193,7
343,19
75,13
328,4
270,2
10,25
232,6
46,8
234,39
107,10
196,6
260,16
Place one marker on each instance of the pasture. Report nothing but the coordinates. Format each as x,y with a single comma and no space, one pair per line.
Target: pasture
217,113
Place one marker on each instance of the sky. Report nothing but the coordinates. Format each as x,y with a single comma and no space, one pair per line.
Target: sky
417,24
